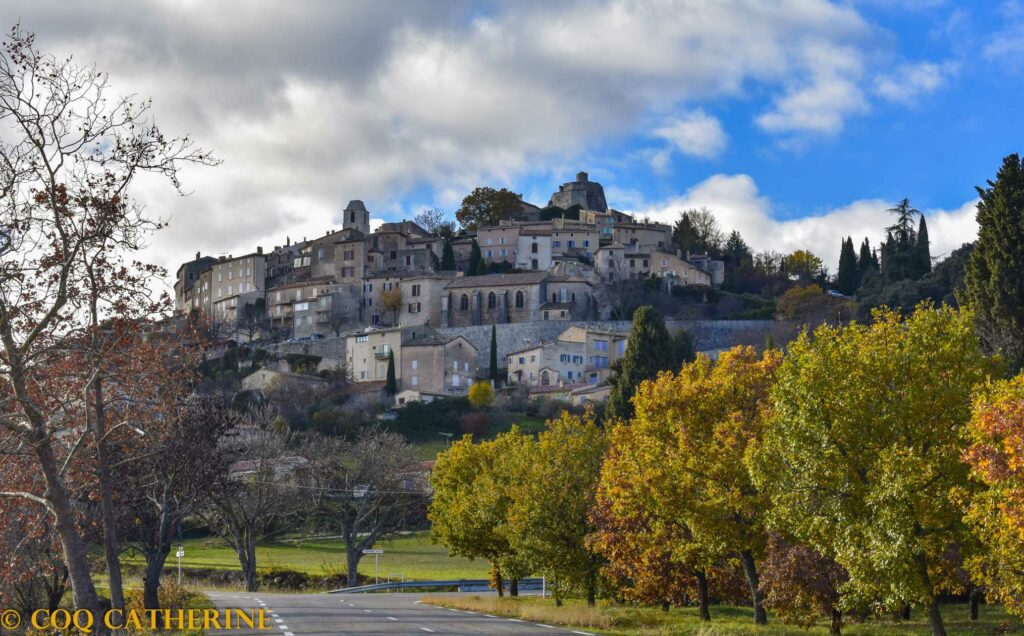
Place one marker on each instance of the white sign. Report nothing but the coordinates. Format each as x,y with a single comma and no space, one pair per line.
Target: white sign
180,553
374,551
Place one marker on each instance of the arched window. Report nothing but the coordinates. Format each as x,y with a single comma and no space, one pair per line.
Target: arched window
464,303
492,300
545,379
519,299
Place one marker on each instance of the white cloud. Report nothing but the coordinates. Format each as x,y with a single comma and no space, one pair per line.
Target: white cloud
311,104
738,205
911,81
695,133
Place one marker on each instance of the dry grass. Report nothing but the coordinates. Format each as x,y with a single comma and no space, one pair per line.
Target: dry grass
573,614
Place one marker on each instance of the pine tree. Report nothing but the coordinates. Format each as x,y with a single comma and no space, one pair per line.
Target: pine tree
476,260
848,276
899,253
921,248
738,257
447,257
648,352
391,386
494,354
995,274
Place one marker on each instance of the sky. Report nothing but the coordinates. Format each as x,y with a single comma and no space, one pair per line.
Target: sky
798,122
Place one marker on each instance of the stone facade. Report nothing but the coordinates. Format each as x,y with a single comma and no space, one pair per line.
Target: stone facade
438,365
587,194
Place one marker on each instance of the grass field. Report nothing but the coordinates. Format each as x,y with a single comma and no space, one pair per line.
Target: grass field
411,555
608,619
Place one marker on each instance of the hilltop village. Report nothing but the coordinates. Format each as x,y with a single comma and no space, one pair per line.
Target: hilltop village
418,295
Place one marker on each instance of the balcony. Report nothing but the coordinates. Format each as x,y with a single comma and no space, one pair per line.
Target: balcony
382,354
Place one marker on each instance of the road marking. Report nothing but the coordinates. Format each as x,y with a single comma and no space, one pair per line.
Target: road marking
391,618
278,620
284,627
548,626
273,614
490,616
584,633
426,629
516,620
367,611
289,634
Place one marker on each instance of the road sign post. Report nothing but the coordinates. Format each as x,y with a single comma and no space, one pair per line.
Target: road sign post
376,552
180,553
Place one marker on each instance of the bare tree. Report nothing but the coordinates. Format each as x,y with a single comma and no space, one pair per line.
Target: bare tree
435,221
67,157
185,460
255,499
367,488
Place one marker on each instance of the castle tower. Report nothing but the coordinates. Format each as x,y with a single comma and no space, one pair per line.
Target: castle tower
356,216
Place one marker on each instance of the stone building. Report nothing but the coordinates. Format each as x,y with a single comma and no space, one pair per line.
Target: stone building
437,364
188,288
495,298
644,235
589,195
237,281
621,262
534,249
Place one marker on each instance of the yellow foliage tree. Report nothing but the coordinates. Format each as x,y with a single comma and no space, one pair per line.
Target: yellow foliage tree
481,394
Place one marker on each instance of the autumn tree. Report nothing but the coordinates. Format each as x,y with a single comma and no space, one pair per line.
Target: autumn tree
997,513
557,479
864,448
800,584
803,265
714,411
487,206
67,160
651,557
391,300
481,394
472,493
996,267
647,353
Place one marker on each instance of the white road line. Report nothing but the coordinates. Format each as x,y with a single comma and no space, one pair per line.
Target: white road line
490,616
584,633
426,629
278,620
516,620
284,627
548,626
274,615
391,618
367,611
289,634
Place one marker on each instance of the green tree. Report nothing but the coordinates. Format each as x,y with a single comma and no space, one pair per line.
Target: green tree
487,206
864,448
477,266
698,231
848,276
866,262
995,273
804,265
738,257
646,355
923,249
473,486
900,258
682,348
549,525
448,257
493,375
391,385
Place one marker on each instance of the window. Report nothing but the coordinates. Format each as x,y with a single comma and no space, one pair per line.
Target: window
362,338
533,248
385,349
556,244
564,357
415,364
229,288
456,380
465,366
577,359
348,255
504,252
415,379
414,308
570,375
489,241
586,243
277,297
502,240
600,362
320,253
301,306
488,253
408,260
522,360
231,274
533,358
394,254
545,315
570,244
632,263
519,299
415,291
620,346
455,365
645,263
600,345
492,300
464,303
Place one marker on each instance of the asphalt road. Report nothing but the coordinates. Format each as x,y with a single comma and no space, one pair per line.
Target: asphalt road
397,613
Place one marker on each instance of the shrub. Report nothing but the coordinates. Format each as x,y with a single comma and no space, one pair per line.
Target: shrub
475,423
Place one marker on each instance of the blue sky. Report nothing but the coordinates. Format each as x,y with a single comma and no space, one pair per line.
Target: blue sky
796,121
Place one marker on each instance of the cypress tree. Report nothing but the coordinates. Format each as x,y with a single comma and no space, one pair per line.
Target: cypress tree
848,276
866,263
447,257
494,353
391,386
648,352
994,280
476,260
921,248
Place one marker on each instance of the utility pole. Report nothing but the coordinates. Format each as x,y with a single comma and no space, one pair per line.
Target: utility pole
180,553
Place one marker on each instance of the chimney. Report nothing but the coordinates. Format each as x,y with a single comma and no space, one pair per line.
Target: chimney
287,241
197,256
259,249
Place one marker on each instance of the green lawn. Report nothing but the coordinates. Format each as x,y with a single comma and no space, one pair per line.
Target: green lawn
412,555
609,619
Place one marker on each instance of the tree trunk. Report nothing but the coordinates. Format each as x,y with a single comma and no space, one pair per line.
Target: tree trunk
975,602
750,570
905,612
111,552
499,584
935,618
352,563
664,606
702,595
591,587
836,626
513,586
247,558
83,590
934,615
151,584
